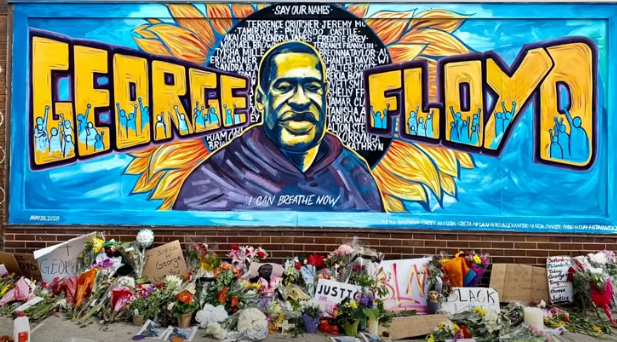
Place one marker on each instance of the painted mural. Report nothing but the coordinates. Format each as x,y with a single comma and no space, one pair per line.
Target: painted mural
469,116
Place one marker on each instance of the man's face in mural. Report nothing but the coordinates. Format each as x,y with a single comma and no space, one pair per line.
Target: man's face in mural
292,96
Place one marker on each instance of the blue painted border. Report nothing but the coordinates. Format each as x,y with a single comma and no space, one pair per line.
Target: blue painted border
18,215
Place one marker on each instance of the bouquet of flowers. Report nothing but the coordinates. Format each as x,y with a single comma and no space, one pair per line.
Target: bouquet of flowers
348,315
200,261
119,303
92,248
242,257
7,282
477,265
226,290
478,323
48,306
310,315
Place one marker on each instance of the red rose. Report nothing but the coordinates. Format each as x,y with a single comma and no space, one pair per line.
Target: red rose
235,247
261,254
298,265
316,260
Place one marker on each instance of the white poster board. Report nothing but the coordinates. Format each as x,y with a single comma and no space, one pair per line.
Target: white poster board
468,298
59,260
559,288
407,283
329,293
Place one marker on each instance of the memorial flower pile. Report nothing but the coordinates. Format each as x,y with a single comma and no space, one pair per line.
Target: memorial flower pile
234,299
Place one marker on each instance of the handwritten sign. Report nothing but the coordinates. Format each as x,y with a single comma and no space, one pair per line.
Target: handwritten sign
60,260
560,289
519,283
407,283
329,293
165,260
28,265
468,298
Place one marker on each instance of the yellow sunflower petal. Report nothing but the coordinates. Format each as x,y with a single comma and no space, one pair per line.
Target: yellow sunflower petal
143,31
152,46
444,158
146,152
392,205
358,10
440,43
138,166
188,16
408,162
242,11
438,19
389,25
153,21
448,184
394,186
169,188
262,6
405,52
146,184
182,43
178,154
220,16
464,159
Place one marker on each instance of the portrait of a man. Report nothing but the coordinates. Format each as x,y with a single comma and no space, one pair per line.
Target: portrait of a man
288,161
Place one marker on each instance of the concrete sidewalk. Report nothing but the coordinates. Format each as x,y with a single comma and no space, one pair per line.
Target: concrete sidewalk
57,329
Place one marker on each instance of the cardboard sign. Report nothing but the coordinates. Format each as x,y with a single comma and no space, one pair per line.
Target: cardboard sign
411,326
60,260
519,283
28,265
9,262
468,298
329,293
560,289
407,283
165,260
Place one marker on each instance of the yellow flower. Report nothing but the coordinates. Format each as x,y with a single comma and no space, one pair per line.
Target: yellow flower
596,329
441,325
479,311
257,286
477,259
97,245
546,319
456,328
354,305
5,289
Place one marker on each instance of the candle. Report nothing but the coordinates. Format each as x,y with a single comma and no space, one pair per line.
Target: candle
373,326
534,317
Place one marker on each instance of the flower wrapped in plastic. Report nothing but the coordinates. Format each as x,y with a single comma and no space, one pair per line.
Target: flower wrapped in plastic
134,253
67,286
242,256
92,248
477,265
252,325
85,284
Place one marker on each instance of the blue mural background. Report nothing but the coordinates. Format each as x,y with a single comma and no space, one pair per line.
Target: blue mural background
511,189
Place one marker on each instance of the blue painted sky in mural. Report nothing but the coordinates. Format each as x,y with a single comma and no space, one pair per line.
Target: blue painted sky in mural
512,185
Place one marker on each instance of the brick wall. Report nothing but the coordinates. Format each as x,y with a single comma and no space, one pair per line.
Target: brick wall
529,249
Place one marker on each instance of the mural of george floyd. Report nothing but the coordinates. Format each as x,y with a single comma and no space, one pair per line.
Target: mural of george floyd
419,128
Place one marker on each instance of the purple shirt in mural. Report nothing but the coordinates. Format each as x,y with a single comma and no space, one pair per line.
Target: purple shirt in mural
251,173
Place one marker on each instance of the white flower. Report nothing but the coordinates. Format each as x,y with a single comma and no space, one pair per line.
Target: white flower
216,330
251,319
542,304
62,303
126,281
170,306
307,304
173,281
210,314
305,261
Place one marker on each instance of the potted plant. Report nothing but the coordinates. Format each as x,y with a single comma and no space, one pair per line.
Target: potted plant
138,307
184,308
310,315
348,315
